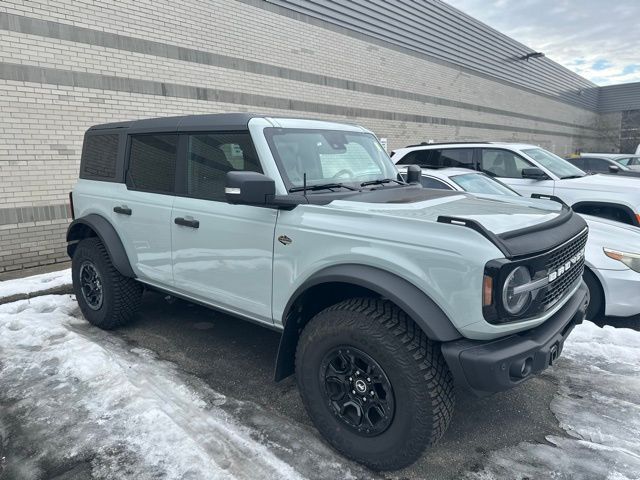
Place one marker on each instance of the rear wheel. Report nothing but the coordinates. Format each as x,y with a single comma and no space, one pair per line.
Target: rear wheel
106,298
373,384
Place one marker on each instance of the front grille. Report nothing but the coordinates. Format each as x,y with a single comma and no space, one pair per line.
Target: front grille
557,289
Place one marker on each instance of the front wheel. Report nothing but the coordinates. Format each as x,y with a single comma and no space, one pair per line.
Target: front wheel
376,388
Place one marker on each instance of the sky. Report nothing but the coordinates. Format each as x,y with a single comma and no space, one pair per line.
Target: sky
597,39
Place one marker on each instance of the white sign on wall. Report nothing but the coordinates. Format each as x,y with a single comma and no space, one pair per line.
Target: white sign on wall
383,142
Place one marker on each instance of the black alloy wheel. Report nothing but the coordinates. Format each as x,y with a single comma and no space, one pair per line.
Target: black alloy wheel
358,390
91,285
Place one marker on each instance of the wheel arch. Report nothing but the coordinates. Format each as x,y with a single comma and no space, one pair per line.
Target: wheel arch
589,270
95,225
584,206
334,284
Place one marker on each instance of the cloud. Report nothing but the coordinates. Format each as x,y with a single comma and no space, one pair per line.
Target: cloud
596,39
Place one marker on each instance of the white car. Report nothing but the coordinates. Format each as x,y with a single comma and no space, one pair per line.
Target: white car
529,169
612,266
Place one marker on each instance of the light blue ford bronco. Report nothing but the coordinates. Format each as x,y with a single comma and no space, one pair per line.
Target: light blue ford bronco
386,293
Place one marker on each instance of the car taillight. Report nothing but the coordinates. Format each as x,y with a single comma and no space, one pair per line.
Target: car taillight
73,213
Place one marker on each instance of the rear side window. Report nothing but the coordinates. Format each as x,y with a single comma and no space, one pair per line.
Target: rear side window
152,163
417,157
99,156
449,157
454,157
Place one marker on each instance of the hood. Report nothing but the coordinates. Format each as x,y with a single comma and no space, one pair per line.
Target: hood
499,215
613,227
603,183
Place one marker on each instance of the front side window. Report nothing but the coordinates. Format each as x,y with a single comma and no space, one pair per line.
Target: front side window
328,156
482,184
430,182
502,163
211,156
152,163
556,165
598,165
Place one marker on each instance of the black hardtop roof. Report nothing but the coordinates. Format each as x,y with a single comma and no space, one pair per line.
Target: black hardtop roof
218,121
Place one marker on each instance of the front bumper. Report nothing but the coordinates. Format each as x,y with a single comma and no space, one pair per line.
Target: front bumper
621,292
486,367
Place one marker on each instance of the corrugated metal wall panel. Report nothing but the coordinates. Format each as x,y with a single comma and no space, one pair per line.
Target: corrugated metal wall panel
617,98
436,29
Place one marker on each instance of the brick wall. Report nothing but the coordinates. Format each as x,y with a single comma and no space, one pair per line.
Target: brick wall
65,65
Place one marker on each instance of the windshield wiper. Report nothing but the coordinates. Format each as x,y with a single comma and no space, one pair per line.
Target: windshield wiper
571,176
322,186
381,181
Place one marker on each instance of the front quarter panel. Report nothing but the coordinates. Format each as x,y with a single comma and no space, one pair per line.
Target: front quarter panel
446,262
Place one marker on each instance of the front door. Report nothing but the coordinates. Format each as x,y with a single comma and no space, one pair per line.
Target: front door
222,253
507,167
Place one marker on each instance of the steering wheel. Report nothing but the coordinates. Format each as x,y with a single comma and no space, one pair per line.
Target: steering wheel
344,171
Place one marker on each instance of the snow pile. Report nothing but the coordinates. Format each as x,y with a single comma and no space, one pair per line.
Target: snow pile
89,402
36,283
598,404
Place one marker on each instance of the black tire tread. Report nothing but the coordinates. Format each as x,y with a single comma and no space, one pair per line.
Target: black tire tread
423,352
127,292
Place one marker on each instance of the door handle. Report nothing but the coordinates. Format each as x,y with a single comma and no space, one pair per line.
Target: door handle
122,210
187,222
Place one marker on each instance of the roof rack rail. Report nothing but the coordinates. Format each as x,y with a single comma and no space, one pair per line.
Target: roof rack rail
425,144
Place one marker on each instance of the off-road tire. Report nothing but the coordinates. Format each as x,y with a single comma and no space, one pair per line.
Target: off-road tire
121,295
595,310
421,381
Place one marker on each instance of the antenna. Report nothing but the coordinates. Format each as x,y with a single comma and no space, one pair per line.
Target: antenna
304,184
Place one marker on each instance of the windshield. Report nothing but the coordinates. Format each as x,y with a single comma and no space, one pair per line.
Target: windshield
556,165
480,183
329,157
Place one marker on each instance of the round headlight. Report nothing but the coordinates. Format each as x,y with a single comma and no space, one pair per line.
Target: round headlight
514,301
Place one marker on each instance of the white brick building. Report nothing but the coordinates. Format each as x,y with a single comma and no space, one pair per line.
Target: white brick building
66,65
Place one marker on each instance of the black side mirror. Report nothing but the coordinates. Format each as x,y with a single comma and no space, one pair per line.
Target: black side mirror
534,174
249,188
252,188
614,169
414,172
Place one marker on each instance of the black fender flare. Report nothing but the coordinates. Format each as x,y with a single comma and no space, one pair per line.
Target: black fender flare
107,235
595,203
409,298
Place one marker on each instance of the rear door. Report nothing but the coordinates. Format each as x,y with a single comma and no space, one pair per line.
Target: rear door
222,253
507,166
141,212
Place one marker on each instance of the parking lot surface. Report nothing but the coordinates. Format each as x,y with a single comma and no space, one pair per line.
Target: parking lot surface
200,380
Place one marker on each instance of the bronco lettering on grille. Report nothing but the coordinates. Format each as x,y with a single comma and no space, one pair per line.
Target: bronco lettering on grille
563,269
